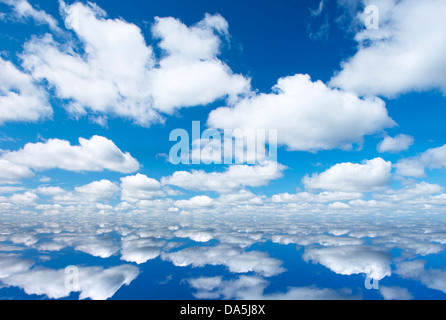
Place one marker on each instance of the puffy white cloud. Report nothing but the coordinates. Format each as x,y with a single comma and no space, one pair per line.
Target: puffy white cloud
50,191
11,173
423,188
310,239
26,198
395,293
411,192
403,54
240,198
338,205
10,189
434,158
24,10
97,190
140,250
352,177
323,197
140,187
197,42
348,260
415,244
94,283
244,287
308,115
196,235
232,257
12,263
78,239
97,247
399,143
191,74
431,278
235,177
252,288
194,202
95,154
24,238
20,98
118,74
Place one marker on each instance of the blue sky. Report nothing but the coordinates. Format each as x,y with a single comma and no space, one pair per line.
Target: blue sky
91,91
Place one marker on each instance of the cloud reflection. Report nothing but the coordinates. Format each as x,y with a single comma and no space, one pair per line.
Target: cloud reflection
237,256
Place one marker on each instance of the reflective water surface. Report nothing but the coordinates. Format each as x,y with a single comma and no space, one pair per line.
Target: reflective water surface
159,255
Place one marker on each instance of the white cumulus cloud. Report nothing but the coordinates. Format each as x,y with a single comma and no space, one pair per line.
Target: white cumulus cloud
118,75
235,177
95,283
308,116
24,10
140,187
236,260
434,158
348,260
21,99
352,177
406,53
11,173
399,143
96,154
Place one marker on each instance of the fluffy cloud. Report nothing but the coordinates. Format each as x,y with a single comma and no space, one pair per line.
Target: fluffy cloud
415,167
98,190
235,177
23,10
110,78
411,192
50,191
11,173
118,74
198,201
196,235
311,239
399,143
403,54
96,154
241,197
323,197
352,177
252,288
26,198
140,250
140,187
395,293
431,278
11,264
191,74
348,260
97,247
236,260
95,283
308,115
20,98
416,244
83,240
